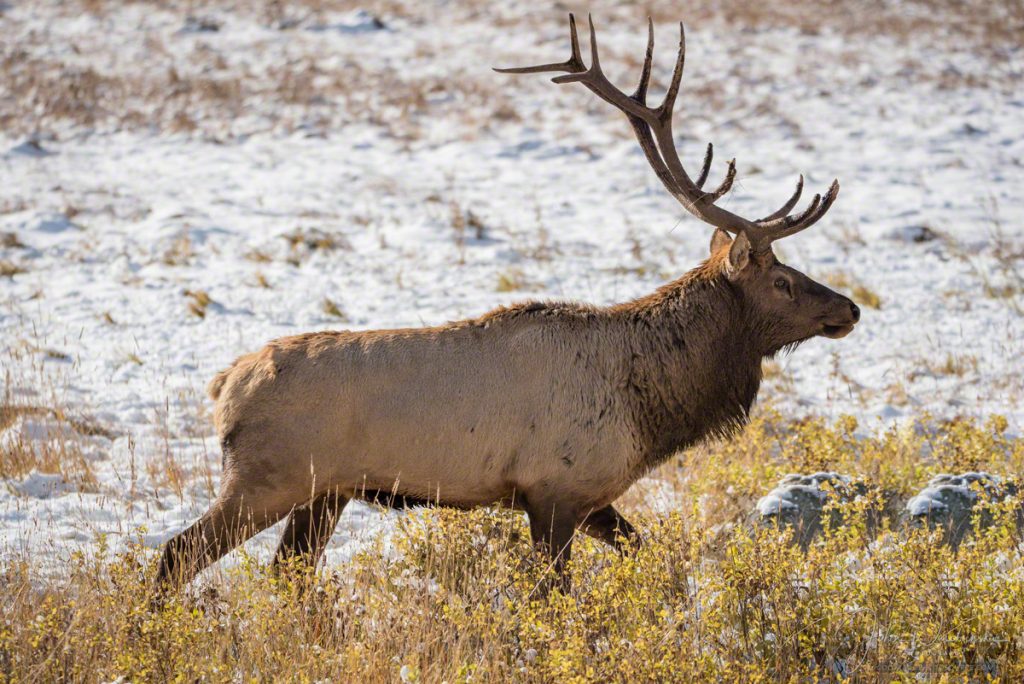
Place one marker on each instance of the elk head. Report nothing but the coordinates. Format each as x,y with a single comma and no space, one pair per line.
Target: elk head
783,305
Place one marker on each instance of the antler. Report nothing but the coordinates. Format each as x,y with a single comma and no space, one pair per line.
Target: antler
653,128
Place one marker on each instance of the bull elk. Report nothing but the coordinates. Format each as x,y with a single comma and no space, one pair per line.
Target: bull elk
552,408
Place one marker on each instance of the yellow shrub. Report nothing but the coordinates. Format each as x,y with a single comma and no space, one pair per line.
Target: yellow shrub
458,596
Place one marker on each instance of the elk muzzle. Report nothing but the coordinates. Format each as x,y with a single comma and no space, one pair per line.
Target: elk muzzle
840,323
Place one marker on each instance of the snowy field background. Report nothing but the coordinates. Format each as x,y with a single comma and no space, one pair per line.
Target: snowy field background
181,183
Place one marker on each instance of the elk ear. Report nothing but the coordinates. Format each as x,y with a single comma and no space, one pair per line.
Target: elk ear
739,254
719,239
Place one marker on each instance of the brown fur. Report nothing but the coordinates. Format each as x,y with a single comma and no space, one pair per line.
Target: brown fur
553,407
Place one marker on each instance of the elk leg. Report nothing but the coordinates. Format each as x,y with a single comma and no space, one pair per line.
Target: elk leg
309,529
552,525
226,525
608,525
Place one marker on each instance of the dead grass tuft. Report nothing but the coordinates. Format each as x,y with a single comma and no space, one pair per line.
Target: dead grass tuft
180,252
8,269
859,292
60,451
10,241
199,302
314,239
330,308
955,365
512,280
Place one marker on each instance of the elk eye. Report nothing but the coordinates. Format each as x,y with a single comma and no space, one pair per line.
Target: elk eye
782,284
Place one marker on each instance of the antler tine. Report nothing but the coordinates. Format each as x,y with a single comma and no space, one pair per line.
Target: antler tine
794,224
640,126
573,65
696,202
574,39
786,223
705,167
595,80
788,206
726,184
640,95
665,110
595,61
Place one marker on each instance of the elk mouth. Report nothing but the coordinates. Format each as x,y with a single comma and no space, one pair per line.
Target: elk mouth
836,331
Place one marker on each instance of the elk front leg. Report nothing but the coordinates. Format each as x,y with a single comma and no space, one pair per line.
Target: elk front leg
552,525
608,525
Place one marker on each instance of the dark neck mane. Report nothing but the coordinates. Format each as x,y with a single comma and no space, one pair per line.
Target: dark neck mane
693,370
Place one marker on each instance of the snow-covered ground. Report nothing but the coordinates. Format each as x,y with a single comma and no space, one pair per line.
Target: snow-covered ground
345,172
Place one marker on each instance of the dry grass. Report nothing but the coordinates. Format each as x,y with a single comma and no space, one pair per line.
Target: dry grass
999,272
512,280
197,90
709,596
10,240
990,27
463,221
330,308
865,296
859,292
46,438
1007,281
38,433
180,252
956,365
260,280
61,452
41,433
776,378
198,302
8,269
315,239
258,256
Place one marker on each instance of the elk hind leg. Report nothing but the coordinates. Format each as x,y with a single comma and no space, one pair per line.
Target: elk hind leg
224,526
309,529
608,525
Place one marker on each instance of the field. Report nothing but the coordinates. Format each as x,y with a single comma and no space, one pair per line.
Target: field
182,181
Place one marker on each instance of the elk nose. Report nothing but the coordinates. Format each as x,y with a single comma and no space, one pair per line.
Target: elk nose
855,311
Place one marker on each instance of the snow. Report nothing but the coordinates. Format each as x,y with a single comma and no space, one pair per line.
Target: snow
119,222
794,489
773,504
945,488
